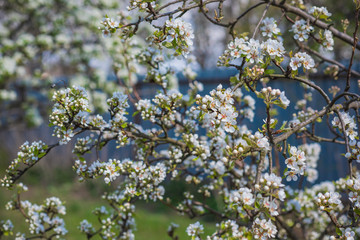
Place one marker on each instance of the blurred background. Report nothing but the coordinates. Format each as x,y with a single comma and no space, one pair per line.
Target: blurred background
47,45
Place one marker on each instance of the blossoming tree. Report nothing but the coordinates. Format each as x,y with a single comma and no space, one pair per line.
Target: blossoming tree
201,138
41,41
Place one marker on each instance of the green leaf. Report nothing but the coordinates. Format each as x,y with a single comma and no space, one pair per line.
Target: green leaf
338,231
269,216
233,79
269,71
280,104
178,51
167,44
248,207
248,140
246,88
357,211
273,125
283,125
260,95
135,113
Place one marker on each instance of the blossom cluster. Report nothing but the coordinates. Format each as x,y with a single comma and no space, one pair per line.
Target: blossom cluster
349,124
301,58
296,164
110,26
217,109
199,148
117,106
148,110
169,102
328,40
252,50
320,12
218,167
301,30
263,229
28,155
272,191
269,27
328,201
312,153
271,183
6,227
178,35
70,103
86,227
143,180
354,195
274,49
240,197
274,96
347,233
82,145
255,72
229,229
43,218
141,4
261,140
354,150
193,230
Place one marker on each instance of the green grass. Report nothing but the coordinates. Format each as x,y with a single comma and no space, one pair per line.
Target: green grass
155,225
152,221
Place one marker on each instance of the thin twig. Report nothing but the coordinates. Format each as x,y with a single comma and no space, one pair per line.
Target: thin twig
353,50
261,19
